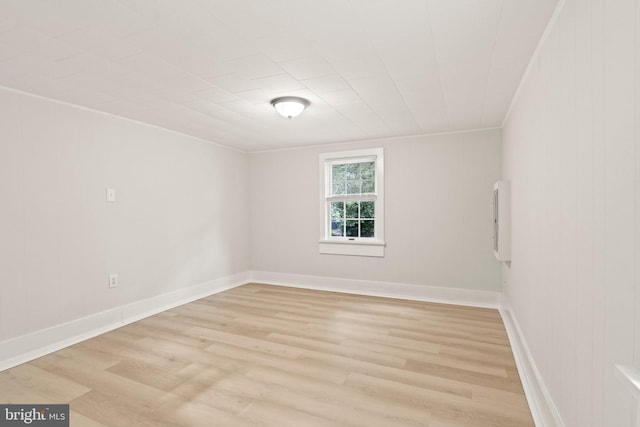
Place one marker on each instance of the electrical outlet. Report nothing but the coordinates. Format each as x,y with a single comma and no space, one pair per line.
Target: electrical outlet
113,280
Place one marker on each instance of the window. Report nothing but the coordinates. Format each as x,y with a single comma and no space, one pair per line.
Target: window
352,203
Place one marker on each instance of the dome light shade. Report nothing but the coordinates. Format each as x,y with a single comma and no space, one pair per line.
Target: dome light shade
290,106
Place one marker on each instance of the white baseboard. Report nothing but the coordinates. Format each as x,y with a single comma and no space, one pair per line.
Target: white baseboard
31,346
468,297
543,409
24,348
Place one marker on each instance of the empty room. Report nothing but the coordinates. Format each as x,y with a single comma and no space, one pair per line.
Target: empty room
320,213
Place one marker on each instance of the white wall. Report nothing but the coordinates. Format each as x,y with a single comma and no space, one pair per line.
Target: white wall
438,213
571,153
181,216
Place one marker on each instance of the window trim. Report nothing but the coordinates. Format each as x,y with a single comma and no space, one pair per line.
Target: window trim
360,246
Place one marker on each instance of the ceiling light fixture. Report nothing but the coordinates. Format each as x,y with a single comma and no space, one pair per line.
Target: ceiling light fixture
290,106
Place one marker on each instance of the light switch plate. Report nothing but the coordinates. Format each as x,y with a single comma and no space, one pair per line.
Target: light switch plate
111,194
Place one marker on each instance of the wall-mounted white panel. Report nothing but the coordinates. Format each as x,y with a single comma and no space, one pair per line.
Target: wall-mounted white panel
502,220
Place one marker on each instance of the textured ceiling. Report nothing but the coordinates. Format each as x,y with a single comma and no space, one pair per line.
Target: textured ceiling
208,68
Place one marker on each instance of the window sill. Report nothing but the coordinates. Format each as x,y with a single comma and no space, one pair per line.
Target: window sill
355,248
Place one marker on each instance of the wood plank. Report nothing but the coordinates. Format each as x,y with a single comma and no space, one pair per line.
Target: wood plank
276,356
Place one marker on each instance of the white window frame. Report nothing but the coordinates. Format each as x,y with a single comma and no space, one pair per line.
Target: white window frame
359,246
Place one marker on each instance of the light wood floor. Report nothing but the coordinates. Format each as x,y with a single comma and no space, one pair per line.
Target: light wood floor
274,356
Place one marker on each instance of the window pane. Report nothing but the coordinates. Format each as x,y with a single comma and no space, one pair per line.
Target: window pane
367,228
352,210
368,170
352,228
338,188
353,186
338,173
337,210
337,228
353,171
367,210
368,186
